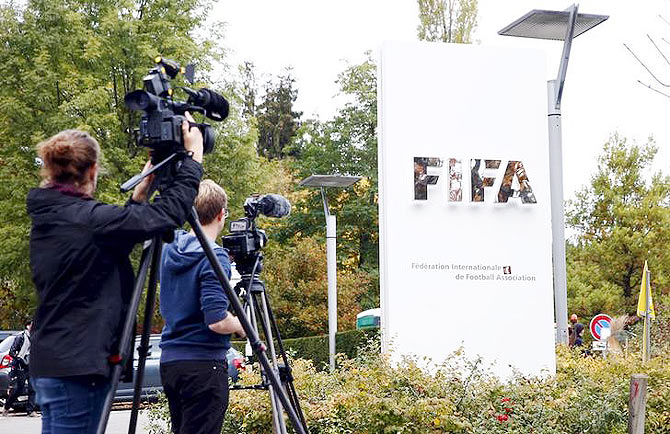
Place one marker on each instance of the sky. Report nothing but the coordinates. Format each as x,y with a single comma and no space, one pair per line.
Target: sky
319,38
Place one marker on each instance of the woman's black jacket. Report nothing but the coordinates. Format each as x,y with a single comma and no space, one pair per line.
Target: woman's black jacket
79,255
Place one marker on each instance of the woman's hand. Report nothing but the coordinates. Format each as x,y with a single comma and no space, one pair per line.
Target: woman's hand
192,138
142,189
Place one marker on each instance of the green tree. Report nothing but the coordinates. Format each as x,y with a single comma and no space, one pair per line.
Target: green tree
249,88
277,120
622,219
68,64
345,145
447,20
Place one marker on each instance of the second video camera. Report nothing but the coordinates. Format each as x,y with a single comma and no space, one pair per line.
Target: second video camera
245,239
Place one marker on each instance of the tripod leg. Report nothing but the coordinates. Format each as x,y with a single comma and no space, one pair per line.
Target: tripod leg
288,383
278,423
125,352
146,330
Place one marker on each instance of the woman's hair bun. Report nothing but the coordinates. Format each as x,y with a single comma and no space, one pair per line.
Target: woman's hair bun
67,156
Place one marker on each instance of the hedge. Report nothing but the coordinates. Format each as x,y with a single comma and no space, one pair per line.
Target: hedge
315,348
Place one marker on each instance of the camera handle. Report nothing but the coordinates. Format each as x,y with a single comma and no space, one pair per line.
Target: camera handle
132,182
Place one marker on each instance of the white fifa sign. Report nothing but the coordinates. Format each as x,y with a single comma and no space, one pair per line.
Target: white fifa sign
465,223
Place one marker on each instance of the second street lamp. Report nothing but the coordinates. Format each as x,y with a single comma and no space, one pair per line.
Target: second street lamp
323,181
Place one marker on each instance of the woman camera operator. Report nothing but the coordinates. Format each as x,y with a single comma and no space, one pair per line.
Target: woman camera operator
79,256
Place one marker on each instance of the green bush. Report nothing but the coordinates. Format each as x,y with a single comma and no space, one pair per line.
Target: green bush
368,394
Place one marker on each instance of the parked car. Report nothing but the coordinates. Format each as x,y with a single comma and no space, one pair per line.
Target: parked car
151,384
235,361
5,368
6,333
5,363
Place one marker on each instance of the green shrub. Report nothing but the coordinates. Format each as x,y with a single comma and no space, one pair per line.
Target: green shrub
368,394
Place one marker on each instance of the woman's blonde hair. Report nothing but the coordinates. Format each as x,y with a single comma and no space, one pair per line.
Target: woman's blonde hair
209,202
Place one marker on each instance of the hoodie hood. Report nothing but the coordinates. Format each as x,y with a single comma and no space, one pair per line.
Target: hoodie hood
184,252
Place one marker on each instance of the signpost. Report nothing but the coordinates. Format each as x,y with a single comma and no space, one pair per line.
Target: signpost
600,326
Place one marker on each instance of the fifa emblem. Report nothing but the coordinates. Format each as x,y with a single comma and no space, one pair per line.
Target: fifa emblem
483,174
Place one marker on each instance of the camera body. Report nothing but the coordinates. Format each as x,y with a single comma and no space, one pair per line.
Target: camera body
244,243
245,240
160,127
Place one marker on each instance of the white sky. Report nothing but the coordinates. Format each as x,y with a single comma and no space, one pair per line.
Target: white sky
318,37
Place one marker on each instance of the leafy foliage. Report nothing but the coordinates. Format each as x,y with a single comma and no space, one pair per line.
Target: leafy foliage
297,280
622,219
447,20
369,394
277,121
315,348
68,64
345,145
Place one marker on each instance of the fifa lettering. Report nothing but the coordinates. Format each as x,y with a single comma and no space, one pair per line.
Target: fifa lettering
483,175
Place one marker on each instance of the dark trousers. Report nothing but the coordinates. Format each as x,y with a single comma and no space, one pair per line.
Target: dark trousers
19,383
197,393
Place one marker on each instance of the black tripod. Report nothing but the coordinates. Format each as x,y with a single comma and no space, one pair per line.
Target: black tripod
149,265
257,308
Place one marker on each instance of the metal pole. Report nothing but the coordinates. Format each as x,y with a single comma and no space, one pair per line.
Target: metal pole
332,286
557,217
647,319
565,56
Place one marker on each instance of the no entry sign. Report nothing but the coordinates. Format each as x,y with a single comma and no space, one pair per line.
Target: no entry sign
598,323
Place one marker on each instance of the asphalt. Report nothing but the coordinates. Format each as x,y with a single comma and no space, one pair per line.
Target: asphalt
118,423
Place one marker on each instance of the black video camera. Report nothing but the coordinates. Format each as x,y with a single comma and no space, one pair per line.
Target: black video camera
160,126
246,240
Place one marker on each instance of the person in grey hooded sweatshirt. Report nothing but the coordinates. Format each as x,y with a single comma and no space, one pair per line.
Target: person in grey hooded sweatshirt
198,326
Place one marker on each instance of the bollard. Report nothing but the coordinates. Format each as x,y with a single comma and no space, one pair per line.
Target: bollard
637,401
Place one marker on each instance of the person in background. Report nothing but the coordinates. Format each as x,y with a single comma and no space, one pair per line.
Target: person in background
19,374
574,319
198,326
579,335
79,257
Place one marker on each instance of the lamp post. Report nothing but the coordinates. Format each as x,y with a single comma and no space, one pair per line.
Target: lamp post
559,26
323,181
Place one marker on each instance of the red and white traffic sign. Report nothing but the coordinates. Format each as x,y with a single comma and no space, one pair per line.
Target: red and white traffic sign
598,324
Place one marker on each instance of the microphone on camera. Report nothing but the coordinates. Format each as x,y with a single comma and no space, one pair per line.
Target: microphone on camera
215,105
274,205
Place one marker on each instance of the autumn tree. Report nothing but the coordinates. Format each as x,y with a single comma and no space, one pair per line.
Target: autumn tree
621,219
297,280
447,20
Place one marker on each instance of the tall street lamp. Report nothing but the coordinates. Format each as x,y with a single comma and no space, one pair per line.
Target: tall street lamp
558,26
323,181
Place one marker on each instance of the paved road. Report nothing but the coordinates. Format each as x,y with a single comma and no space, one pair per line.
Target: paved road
118,423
